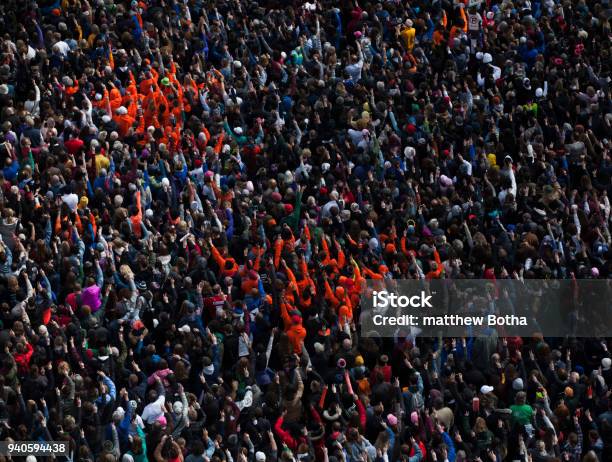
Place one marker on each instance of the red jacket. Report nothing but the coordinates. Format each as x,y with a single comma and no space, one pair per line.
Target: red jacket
23,359
291,442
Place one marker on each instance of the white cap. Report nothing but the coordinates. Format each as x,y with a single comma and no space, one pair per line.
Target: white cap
238,130
486,389
122,110
479,55
260,456
177,407
237,64
539,92
119,413
409,152
165,182
517,384
373,243
487,58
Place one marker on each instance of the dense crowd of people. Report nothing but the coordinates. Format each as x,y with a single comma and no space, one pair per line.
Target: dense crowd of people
194,195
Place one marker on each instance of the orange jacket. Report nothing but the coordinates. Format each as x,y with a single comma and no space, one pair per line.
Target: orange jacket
371,274
354,285
438,271
137,219
146,84
102,104
73,89
115,99
296,289
281,244
295,331
124,123
59,221
227,266
306,279
438,37
339,299
345,314
328,261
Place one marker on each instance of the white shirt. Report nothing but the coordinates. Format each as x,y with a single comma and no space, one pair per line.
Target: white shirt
496,72
31,53
326,210
356,136
154,410
474,21
71,200
64,48
354,70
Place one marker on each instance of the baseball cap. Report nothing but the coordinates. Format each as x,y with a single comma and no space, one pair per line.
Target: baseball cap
486,389
517,384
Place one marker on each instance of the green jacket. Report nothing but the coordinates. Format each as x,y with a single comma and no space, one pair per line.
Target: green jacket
521,413
293,220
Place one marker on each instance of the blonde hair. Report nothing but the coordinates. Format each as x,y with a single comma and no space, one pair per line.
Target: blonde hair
64,367
480,425
126,271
